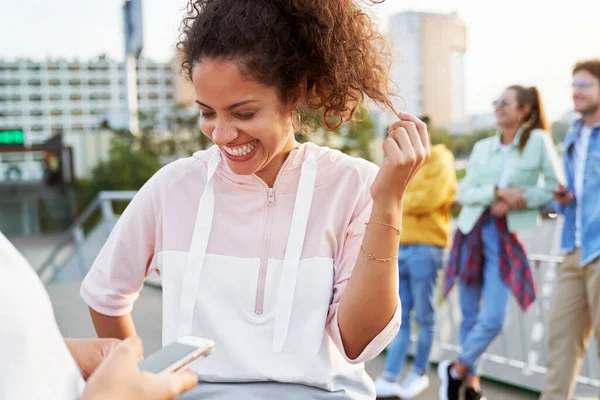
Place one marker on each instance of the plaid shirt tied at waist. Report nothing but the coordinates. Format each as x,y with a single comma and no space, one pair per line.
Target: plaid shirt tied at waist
514,266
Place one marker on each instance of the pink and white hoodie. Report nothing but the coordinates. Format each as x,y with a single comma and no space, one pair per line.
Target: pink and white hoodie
259,270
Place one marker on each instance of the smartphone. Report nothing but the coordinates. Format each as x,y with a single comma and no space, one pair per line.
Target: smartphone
177,354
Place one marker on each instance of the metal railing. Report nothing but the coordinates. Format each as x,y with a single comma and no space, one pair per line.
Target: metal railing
519,355
73,241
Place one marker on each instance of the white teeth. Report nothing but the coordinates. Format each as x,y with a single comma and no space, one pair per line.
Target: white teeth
241,151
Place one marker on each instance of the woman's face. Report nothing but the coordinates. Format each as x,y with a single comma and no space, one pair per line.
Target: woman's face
244,118
507,110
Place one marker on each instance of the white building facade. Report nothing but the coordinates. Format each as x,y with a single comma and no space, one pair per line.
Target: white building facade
44,98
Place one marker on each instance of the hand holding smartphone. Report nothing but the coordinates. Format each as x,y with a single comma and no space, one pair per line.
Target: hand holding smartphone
177,355
562,195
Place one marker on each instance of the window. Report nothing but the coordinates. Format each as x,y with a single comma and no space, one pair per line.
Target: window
10,97
100,96
10,82
56,113
77,111
14,113
153,96
55,97
34,82
36,113
76,97
151,68
54,82
35,97
169,96
74,68
77,128
37,128
74,82
33,67
97,112
168,81
96,82
168,68
97,67
53,67
12,68
152,82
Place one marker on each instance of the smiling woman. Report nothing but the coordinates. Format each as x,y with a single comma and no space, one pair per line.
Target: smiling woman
283,253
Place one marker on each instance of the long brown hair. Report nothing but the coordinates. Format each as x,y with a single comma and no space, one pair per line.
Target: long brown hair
536,117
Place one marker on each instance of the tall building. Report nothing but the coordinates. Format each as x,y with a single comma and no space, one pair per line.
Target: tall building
71,97
428,64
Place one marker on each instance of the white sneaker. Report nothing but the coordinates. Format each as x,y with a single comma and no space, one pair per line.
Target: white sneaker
385,388
413,385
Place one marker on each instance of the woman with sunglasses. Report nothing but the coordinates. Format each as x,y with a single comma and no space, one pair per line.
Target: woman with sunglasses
500,194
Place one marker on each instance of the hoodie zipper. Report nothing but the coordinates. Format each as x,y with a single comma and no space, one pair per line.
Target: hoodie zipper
266,242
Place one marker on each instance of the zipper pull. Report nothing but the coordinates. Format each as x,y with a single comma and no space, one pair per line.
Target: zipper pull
271,197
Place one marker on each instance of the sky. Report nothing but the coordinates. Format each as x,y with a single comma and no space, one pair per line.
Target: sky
509,42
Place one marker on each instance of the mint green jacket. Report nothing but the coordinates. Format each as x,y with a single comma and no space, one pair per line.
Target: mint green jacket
537,170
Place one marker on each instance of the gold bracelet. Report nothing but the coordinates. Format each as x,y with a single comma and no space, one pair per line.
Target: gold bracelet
369,257
398,230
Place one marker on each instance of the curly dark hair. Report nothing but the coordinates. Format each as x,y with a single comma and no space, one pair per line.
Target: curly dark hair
333,44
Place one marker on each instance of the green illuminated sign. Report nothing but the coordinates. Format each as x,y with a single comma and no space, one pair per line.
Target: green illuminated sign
12,136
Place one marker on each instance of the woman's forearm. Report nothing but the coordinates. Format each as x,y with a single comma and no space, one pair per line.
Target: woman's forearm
371,297
112,327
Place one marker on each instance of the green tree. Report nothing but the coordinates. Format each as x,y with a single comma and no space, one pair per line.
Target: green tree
186,136
439,136
462,145
358,135
353,138
128,167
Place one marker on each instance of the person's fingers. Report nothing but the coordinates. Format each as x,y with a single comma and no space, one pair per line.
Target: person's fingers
130,349
108,346
185,380
421,128
413,136
400,135
169,385
391,149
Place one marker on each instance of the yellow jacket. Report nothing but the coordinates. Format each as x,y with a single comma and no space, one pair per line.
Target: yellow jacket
428,200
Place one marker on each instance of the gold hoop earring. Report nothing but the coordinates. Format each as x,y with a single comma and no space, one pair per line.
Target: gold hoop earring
296,126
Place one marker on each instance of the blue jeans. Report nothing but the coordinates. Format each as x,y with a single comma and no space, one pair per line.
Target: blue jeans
483,307
418,267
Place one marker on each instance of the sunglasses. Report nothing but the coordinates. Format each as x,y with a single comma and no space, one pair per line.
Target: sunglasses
500,103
